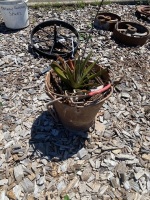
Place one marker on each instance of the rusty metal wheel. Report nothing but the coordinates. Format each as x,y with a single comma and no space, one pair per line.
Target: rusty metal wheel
106,21
53,38
131,33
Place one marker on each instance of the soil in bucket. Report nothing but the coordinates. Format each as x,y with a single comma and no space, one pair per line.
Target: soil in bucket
14,13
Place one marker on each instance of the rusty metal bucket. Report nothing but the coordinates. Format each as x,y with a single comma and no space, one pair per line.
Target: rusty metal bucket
75,118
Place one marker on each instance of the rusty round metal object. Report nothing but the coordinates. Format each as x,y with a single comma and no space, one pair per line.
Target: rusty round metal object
131,29
55,38
106,21
143,9
122,32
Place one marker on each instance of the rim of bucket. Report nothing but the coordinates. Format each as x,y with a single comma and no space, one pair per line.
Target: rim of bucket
51,94
9,2
48,84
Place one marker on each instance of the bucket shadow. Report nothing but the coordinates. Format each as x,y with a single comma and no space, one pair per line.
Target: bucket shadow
50,140
5,30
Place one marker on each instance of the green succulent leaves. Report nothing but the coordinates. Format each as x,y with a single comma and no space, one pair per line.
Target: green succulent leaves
77,73
66,197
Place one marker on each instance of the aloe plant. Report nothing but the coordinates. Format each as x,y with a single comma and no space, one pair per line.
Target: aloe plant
77,74
66,197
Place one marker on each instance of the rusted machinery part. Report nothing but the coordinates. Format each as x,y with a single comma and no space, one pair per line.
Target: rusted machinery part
143,9
47,40
138,36
106,21
103,17
131,29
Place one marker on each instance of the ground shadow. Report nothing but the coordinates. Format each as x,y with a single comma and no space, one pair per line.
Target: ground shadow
5,30
50,140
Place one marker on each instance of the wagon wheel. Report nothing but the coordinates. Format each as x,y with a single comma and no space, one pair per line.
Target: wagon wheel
53,38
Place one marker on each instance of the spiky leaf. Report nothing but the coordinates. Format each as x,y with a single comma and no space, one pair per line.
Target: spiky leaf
81,75
56,67
66,197
84,64
88,69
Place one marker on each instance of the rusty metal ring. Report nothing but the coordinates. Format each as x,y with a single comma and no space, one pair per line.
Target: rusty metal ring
52,51
120,33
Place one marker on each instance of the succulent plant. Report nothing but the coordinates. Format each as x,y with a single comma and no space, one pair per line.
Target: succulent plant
78,73
66,197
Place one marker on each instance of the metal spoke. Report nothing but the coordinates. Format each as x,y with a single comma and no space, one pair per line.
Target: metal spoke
65,36
51,50
55,34
66,47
